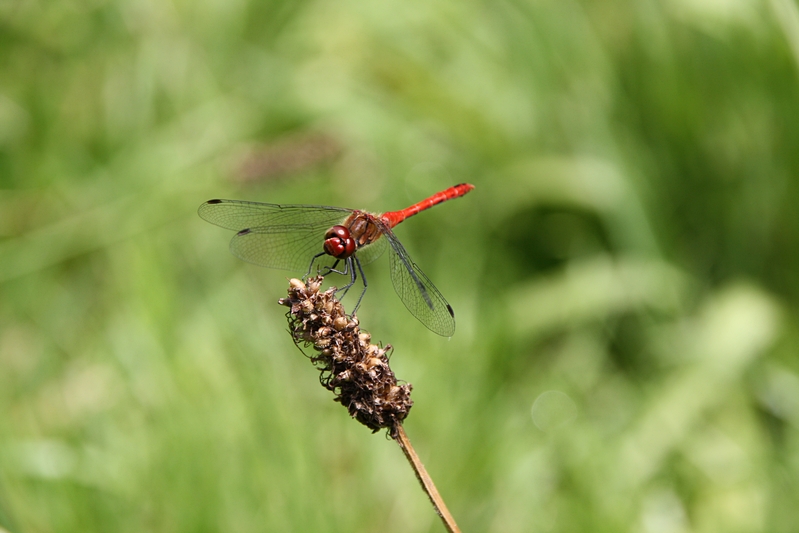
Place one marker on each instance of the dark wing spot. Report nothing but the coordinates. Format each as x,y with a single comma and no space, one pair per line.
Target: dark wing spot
215,201
244,231
451,312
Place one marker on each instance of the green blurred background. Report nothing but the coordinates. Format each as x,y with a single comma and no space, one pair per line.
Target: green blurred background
624,274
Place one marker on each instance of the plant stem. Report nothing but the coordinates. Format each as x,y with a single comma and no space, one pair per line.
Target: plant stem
425,480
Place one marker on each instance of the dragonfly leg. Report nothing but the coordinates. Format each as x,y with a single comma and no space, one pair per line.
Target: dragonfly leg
363,278
332,269
348,269
313,260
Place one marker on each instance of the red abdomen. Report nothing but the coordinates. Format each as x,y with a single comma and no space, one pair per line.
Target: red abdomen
392,218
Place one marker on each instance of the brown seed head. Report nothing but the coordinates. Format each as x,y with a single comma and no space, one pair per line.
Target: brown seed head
355,370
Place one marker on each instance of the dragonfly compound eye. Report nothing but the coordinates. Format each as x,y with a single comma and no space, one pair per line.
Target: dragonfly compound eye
339,243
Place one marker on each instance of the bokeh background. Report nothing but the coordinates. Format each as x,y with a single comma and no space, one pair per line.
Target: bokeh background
625,274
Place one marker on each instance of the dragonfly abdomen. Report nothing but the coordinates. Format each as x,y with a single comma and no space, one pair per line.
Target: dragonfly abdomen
392,218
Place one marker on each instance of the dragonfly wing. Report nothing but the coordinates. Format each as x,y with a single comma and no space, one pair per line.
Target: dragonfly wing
239,215
369,253
276,236
283,247
417,292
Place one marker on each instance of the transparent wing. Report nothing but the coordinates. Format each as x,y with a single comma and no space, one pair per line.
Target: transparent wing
272,235
417,292
370,252
239,215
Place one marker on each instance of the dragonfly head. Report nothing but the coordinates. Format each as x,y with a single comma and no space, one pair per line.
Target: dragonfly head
339,243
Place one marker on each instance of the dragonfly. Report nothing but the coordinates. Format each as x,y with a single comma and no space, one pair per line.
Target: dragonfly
340,240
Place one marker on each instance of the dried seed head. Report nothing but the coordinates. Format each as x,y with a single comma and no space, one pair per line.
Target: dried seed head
355,370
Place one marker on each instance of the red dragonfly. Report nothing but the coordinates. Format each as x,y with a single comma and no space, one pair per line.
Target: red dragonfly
294,237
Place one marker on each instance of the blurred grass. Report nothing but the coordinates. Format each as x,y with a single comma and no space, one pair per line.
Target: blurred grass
631,243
